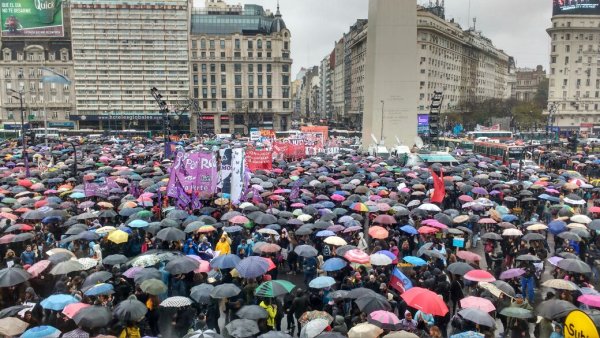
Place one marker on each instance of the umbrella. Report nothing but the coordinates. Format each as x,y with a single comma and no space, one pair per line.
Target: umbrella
306,251
171,234
512,273
425,300
66,267
574,265
252,267
314,328
13,310
252,312
227,261
384,319
401,334
274,288
365,330
414,260
478,316
370,302
380,259
459,268
13,276
72,309
334,264
315,314
201,293
145,274
478,303
554,308
100,289
11,326
468,256
241,328
560,284
93,317
130,309
95,278
275,334
58,302
176,302
479,276
226,290
321,282
182,265
153,286
590,300
114,259
206,334
516,312
44,331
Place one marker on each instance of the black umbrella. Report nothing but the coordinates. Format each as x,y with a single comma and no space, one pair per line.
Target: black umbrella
12,311
92,317
252,312
60,257
265,219
171,234
13,276
574,265
130,309
505,287
555,308
182,264
201,293
95,278
114,259
147,273
306,251
341,251
372,302
478,317
226,290
459,268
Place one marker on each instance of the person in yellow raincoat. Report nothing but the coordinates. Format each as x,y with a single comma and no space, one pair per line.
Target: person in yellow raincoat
131,331
271,311
223,246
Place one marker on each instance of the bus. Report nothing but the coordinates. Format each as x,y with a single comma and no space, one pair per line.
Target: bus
460,143
6,134
345,133
51,133
494,135
498,151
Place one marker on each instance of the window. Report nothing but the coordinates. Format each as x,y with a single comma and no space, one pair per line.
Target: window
222,67
222,44
268,67
238,93
213,67
211,44
238,80
237,43
204,79
567,48
269,93
285,92
260,92
250,68
223,106
195,92
259,44
568,37
259,68
203,67
223,79
251,80
251,92
553,49
286,104
195,80
213,105
195,67
260,80
202,44
285,80
223,93
566,60
269,104
286,45
553,59
285,68
213,92
268,79
250,46
237,67
204,93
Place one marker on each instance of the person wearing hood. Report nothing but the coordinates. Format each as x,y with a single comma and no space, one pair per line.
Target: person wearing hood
362,242
190,248
223,246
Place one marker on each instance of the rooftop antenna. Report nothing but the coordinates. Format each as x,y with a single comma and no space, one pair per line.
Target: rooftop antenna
469,13
278,13
474,23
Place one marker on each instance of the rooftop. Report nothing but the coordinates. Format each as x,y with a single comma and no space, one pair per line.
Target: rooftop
225,20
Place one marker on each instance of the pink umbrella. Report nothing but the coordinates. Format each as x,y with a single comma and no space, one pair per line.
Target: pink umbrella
512,273
357,256
352,229
590,300
479,276
131,272
336,228
383,207
487,221
338,198
384,319
297,205
37,268
204,265
72,309
238,220
465,198
427,230
7,238
468,256
477,303
438,225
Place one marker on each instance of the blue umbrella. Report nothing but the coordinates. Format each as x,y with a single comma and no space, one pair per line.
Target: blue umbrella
227,261
58,302
328,204
557,226
416,261
387,253
41,331
100,289
138,223
321,282
252,267
509,218
77,195
409,229
325,233
334,264
233,228
88,235
549,198
51,219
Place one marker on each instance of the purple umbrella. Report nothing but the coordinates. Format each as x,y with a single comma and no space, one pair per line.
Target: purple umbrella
479,191
512,273
131,272
387,253
554,260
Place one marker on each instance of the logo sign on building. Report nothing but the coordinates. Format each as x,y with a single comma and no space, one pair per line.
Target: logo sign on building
586,127
32,18
578,324
585,7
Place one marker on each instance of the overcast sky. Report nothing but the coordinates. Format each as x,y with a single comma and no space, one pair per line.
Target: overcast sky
516,26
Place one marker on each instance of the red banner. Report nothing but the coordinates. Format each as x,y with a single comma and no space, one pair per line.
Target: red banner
295,151
259,159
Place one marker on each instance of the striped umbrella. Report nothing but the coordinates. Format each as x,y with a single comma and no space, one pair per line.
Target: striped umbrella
274,288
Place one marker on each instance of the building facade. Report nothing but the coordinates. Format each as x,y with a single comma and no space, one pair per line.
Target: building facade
574,77
326,77
240,67
338,82
120,51
21,63
527,83
357,43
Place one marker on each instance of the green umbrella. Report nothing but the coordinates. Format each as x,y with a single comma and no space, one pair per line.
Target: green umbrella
274,288
516,312
153,286
144,214
9,200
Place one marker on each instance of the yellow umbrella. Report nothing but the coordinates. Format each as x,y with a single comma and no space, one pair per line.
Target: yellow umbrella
221,201
105,229
12,326
118,236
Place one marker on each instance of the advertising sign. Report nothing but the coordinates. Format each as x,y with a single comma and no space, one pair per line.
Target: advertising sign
579,324
32,18
422,124
590,7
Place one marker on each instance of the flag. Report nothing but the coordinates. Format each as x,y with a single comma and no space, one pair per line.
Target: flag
295,193
439,188
52,76
256,198
399,281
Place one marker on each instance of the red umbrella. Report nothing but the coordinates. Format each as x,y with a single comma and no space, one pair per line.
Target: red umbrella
25,183
479,276
427,230
338,198
385,220
465,198
9,216
478,303
425,300
378,232
468,256
271,264
594,209
37,268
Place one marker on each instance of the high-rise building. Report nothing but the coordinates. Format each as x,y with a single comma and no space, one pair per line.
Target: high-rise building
123,49
338,82
240,67
22,59
326,75
527,83
574,79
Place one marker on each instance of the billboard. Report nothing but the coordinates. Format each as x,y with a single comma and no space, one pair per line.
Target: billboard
422,124
31,18
591,7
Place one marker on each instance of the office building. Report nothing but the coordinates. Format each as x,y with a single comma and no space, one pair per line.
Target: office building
240,67
528,81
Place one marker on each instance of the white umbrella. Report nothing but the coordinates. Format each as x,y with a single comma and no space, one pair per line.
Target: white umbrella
87,262
364,330
176,301
560,284
429,207
576,225
512,232
314,328
581,219
305,217
380,259
536,227
335,240
268,231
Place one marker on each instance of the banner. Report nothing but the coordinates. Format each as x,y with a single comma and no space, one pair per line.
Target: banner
322,131
238,180
32,18
101,190
225,172
193,172
259,159
279,150
295,151
495,127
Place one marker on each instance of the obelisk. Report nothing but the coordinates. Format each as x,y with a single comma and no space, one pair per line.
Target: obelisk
391,79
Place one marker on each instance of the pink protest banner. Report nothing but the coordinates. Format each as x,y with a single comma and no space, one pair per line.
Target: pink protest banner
193,173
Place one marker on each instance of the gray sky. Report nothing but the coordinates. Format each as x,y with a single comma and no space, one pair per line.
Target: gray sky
516,26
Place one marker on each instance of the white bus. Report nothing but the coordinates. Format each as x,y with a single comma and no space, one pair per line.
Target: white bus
495,135
51,133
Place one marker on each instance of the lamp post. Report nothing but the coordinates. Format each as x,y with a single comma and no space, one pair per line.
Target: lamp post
381,131
164,110
51,76
23,145
551,114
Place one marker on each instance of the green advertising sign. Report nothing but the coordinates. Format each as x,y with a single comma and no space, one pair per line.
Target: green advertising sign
31,18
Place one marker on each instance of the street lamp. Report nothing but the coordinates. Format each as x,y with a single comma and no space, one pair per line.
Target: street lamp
51,76
381,132
164,110
23,153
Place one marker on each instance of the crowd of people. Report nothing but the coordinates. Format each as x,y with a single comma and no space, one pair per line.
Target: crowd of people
343,245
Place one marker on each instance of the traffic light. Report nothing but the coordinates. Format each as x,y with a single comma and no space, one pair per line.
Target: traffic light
573,142
435,109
